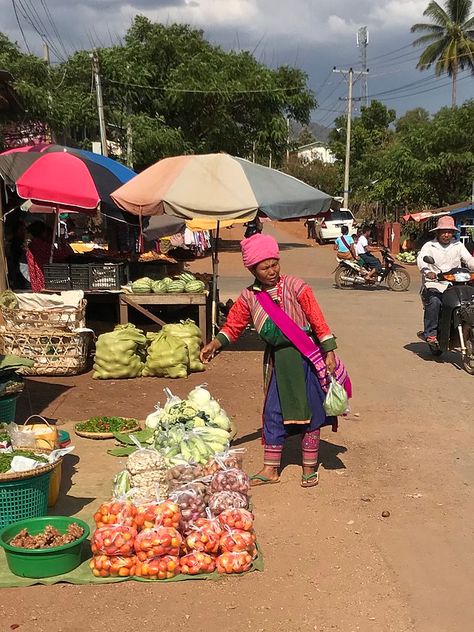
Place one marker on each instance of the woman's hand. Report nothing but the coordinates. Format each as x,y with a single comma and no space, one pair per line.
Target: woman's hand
209,351
330,362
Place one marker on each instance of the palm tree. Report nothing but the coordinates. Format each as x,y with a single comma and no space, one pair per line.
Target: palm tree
450,39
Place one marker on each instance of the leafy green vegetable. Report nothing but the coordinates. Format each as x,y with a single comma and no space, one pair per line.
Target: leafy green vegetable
107,424
6,458
122,451
142,436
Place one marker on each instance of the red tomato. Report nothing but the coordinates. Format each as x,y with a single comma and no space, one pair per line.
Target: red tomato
157,542
237,562
237,518
104,566
158,568
203,540
196,563
237,540
116,512
114,540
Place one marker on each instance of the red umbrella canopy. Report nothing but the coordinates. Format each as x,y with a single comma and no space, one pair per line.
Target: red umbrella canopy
59,178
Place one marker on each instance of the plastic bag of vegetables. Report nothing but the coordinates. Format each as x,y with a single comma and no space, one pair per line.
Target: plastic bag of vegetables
240,519
196,563
156,542
164,567
165,513
235,562
203,540
148,474
116,539
115,512
232,458
190,334
167,357
233,480
118,354
191,504
105,566
236,540
182,474
221,501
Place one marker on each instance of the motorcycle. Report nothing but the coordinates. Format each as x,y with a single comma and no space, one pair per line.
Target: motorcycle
456,321
349,273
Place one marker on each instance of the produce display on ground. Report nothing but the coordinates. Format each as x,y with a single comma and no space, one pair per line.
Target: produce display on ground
126,352
407,257
185,282
157,539
188,431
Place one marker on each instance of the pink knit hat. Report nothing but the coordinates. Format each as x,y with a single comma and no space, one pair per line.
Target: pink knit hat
257,248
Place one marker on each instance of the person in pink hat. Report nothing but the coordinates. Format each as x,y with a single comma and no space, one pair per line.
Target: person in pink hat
299,360
447,254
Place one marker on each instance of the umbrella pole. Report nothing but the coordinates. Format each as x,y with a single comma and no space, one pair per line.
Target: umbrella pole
55,230
215,270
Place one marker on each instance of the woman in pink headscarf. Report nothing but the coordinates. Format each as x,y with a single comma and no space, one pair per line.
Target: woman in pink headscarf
299,359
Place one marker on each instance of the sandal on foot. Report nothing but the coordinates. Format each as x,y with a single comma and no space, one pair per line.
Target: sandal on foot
310,480
257,480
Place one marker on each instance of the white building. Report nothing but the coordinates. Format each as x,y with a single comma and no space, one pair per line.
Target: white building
316,151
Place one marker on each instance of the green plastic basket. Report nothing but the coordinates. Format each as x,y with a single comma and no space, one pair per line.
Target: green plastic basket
39,563
24,498
8,409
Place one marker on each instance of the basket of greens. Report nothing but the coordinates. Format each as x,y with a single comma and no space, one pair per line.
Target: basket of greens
105,427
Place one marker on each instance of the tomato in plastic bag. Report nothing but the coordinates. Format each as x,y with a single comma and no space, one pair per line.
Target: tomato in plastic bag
156,542
229,563
115,540
164,514
203,539
236,540
115,512
105,566
164,567
237,519
197,562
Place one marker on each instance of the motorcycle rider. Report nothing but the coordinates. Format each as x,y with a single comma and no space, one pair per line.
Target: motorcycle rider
447,254
365,252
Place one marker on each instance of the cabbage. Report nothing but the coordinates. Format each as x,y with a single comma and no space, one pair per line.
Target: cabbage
200,397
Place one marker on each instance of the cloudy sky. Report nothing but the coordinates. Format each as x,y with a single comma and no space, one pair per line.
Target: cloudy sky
315,35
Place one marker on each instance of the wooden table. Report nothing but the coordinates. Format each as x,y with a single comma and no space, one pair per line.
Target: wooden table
137,301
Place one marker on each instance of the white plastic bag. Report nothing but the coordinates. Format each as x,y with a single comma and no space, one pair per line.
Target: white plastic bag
336,402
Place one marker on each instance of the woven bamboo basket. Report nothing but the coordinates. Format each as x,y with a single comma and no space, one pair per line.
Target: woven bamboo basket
62,318
53,352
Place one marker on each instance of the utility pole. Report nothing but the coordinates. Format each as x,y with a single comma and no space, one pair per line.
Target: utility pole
46,54
129,145
349,76
287,139
363,43
100,103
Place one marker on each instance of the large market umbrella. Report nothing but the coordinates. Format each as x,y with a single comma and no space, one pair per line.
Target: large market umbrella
163,226
220,187
62,176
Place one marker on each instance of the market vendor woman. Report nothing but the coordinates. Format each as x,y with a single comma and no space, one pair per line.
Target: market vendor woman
297,373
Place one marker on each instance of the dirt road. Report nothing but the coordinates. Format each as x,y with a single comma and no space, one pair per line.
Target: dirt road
332,562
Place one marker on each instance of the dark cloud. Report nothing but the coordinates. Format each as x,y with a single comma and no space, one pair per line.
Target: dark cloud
312,35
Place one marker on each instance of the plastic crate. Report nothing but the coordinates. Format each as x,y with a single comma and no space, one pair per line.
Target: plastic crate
24,498
57,276
107,276
8,408
80,276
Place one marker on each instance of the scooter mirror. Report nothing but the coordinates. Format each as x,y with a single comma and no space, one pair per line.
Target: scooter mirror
429,260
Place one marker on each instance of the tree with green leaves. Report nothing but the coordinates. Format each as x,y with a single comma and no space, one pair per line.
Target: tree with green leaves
449,39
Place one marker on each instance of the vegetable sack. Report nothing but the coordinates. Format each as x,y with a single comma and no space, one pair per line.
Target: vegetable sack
119,354
167,357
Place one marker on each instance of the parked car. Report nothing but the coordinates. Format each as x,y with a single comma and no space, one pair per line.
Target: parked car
333,222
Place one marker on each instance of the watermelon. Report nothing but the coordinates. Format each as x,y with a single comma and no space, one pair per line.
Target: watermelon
160,287
187,277
142,286
167,281
176,287
195,287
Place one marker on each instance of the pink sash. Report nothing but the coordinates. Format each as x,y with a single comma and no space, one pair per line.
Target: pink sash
305,345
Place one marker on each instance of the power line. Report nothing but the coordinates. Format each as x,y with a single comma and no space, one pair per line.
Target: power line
30,18
407,86
338,84
199,91
53,24
20,26
412,94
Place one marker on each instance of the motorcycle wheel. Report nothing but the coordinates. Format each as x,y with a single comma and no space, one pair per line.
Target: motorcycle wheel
468,361
342,284
398,280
